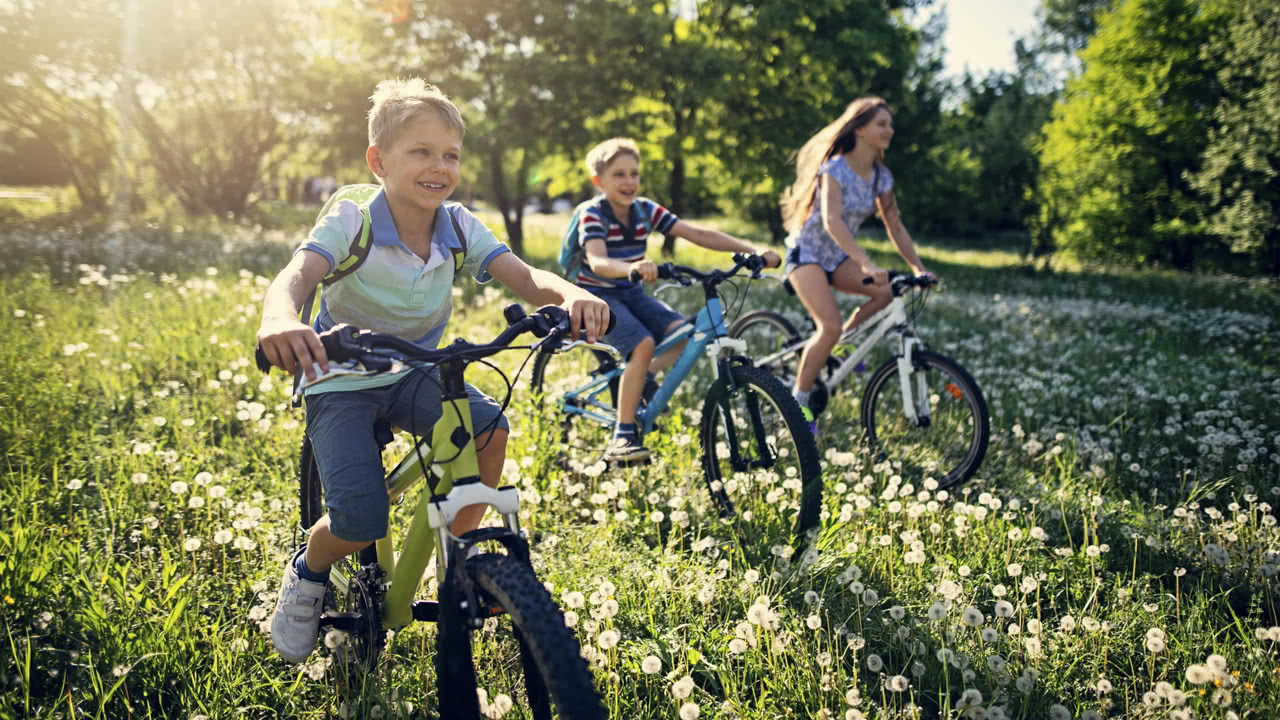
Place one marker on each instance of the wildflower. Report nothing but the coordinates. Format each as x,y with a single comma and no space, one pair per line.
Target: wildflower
191,545
1155,640
813,622
1059,712
682,688
75,484
1004,609
222,537
1103,686
574,599
972,617
1199,674
650,665
570,618
874,663
897,683
138,478
608,639
737,646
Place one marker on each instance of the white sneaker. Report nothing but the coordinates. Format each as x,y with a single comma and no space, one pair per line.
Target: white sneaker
296,622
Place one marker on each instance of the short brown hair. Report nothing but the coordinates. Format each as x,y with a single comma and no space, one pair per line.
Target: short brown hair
397,101
608,151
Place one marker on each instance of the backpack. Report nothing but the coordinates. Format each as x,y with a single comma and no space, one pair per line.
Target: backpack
571,251
363,194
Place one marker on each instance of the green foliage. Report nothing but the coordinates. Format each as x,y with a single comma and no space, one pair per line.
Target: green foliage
1128,130
1240,176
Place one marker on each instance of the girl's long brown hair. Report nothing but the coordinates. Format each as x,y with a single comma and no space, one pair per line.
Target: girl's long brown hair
835,139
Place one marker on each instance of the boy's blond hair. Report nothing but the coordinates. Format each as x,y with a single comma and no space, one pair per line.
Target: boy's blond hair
608,151
396,102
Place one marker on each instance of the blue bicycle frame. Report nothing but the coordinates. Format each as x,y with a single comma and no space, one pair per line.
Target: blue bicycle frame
707,329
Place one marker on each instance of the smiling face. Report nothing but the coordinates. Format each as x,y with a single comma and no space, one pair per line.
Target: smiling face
420,169
620,180
878,132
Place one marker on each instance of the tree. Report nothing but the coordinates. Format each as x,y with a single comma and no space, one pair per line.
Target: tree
1073,21
57,89
1240,177
528,77
1116,153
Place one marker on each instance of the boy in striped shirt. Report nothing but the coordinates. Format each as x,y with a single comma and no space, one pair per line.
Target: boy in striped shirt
614,236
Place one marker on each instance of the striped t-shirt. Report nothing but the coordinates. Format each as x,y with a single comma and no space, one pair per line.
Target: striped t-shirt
646,216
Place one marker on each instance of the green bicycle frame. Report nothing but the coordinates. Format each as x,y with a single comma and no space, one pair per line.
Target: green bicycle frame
406,572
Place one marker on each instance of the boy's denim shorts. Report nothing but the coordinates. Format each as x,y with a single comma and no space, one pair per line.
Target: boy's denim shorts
340,425
638,316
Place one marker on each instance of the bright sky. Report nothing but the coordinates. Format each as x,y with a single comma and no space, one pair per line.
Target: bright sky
980,33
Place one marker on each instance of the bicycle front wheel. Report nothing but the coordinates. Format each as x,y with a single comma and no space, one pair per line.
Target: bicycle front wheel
950,444
760,461
578,392
773,343
551,677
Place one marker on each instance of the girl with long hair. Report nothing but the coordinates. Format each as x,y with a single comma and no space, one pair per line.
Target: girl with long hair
841,180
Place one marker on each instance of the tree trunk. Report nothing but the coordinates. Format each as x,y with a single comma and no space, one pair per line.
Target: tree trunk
512,214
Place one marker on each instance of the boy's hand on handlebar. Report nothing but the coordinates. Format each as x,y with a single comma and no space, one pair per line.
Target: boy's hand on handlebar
292,345
646,269
589,316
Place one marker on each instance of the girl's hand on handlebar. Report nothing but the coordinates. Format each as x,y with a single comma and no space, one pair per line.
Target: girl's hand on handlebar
588,315
646,269
771,258
878,275
291,345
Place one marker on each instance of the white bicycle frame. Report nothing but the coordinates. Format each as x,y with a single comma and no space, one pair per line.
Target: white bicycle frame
866,336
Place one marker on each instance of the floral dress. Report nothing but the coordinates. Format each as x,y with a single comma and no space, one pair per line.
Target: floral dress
812,244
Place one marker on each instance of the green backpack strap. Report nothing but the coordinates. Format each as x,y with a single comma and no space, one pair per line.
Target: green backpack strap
459,254
358,253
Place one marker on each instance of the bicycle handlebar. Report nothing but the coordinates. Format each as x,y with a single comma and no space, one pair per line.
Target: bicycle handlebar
900,281
686,275
346,342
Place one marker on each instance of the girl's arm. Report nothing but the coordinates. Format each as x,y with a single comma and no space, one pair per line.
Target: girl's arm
888,207
716,240
286,341
539,287
832,203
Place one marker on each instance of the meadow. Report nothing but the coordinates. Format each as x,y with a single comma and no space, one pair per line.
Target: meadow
1116,555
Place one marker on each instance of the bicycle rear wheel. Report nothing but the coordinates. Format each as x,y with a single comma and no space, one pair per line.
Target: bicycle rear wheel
537,664
775,488
950,447
579,392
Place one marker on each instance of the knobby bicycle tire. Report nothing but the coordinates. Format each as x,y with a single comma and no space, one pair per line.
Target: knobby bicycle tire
547,646
763,491
310,503
951,448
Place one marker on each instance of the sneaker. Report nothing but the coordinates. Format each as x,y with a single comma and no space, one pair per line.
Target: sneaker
625,448
809,418
296,622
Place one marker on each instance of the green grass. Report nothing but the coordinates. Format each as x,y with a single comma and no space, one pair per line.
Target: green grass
149,504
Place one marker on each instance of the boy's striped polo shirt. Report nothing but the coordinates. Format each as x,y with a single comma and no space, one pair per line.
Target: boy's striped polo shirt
595,226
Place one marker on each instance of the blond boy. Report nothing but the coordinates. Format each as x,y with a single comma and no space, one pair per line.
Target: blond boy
403,288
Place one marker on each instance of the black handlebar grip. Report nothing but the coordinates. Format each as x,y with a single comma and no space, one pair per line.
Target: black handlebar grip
665,272
261,359
613,320
868,280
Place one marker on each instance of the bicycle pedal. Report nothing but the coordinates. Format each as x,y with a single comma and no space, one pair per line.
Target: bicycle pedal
641,462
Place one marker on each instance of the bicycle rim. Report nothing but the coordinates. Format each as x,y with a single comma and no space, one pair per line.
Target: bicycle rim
776,490
950,448
528,658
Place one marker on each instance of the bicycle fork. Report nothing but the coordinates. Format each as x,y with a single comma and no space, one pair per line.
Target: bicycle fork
914,406
764,454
